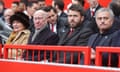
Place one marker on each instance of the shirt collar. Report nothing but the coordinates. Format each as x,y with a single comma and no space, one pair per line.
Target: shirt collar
93,9
59,13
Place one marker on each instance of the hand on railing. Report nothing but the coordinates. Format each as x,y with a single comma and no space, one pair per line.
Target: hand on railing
93,53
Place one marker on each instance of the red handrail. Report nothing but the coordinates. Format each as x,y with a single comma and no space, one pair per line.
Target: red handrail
0,50
85,50
100,50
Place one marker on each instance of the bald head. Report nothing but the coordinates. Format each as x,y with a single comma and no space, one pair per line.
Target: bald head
8,11
41,12
40,18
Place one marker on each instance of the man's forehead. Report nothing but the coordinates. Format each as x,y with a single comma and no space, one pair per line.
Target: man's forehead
100,14
73,12
40,12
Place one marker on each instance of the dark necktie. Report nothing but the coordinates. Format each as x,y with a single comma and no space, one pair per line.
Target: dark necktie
52,27
71,31
92,13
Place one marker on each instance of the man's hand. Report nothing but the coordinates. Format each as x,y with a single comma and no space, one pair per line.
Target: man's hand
93,54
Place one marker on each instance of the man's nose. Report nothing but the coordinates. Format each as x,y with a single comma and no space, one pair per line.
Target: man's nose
102,19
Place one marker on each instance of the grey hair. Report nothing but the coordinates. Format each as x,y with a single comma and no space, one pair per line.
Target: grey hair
43,13
105,10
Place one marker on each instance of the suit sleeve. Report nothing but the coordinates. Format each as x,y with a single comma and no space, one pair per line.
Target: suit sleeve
83,39
52,40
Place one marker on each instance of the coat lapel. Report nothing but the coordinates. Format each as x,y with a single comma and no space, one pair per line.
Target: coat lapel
41,36
17,37
30,38
73,35
63,38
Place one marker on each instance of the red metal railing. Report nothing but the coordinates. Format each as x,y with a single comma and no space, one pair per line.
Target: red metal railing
85,50
24,66
0,50
110,51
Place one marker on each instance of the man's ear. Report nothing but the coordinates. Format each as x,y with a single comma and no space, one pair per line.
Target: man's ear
56,6
82,18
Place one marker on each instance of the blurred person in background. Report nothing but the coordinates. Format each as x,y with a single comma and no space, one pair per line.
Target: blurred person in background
7,14
15,6
115,7
5,26
32,6
80,2
2,8
90,13
94,6
59,6
41,3
22,6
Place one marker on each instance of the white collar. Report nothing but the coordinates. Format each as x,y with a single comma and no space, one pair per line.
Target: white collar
93,9
59,13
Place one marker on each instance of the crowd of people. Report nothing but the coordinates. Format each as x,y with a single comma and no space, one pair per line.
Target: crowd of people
35,23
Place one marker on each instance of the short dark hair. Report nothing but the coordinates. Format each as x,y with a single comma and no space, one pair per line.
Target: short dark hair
115,8
77,8
30,3
41,0
46,9
52,8
24,1
82,2
60,4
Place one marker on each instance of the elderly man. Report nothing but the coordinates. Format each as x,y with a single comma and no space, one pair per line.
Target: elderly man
106,36
42,35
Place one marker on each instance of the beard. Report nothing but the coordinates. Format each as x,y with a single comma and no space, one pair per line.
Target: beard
73,24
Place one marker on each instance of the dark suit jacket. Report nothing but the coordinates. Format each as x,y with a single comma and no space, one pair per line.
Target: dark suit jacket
61,25
108,39
63,14
116,23
45,37
78,38
31,26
